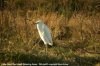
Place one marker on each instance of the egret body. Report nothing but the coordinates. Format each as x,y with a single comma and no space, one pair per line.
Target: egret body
44,33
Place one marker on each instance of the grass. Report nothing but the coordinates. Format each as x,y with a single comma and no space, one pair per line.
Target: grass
56,54
75,31
20,42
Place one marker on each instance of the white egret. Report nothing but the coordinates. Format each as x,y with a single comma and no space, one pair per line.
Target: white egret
44,33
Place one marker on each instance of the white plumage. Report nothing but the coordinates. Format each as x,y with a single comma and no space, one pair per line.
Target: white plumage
44,32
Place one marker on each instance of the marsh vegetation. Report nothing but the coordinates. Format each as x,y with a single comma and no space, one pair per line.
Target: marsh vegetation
74,24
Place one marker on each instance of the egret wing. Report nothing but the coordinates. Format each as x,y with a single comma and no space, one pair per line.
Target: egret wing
47,33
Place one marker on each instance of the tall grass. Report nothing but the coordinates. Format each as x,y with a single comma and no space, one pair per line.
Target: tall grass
74,24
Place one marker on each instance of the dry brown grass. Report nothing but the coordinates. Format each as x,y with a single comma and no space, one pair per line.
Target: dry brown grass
72,32
19,35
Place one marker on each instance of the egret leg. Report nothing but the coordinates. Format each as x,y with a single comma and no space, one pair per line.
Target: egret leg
46,49
45,52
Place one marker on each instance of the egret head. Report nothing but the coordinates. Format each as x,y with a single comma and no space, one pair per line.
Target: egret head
39,22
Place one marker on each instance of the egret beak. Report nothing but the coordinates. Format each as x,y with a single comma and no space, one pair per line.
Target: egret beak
34,23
